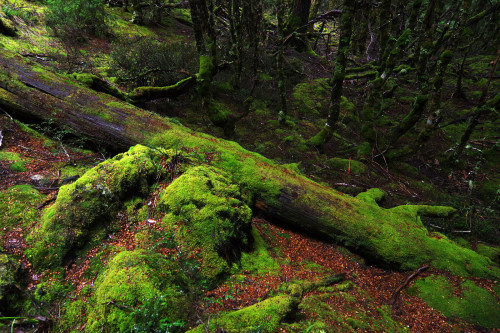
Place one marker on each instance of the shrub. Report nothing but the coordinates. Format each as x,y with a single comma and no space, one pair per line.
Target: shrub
76,18
145,61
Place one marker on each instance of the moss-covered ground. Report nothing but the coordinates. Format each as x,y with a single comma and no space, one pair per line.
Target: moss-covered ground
165,239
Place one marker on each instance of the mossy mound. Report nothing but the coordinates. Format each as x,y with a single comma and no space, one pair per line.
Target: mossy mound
472,303
10,295
83,210
264,316
209,217
139,291
18,206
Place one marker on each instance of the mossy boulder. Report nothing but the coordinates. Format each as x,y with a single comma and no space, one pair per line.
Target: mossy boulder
10,294
469,302
83,210
264,316
210,218
139,291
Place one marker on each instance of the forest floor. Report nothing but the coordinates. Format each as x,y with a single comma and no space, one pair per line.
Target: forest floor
367,300
364,300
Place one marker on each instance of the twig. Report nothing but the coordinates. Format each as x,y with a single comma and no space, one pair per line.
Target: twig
12,119
65,152
407,281
1,138
45,203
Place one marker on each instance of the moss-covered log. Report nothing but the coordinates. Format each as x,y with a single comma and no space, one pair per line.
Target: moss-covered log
391,237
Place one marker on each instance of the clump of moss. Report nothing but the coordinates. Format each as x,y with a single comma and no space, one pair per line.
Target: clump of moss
259,260
83,209
207,211
140,291
10,294
310,97
475,304
264,316
18,206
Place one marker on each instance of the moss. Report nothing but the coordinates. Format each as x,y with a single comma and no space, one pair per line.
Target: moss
83,209
18,207
356,167
475,304
309,97
208,213
259,261
372,196
18,166
393,237
492,252
219,113
11,296
264,316
132,281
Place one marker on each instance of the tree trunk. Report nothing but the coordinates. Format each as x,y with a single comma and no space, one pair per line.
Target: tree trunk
297,25
320,139
389,237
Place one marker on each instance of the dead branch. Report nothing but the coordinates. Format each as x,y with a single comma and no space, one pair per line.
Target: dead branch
413,275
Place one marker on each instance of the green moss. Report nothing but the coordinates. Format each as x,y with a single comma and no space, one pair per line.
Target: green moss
264,316
475,304
259,261
18,166
18,207
137,283
344,164
208,213
492,252
309,97
391,237
11,296
9,156
82,211
372,196
219,113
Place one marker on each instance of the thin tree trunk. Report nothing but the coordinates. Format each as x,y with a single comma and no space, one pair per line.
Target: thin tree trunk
320,139
279,62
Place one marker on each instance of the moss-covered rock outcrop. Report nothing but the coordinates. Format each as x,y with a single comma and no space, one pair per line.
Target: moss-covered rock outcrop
139,291
209,216
83,210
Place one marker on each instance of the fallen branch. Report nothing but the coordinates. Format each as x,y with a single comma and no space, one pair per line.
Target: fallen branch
413,275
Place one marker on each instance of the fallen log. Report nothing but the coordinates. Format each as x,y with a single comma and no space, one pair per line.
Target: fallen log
393,238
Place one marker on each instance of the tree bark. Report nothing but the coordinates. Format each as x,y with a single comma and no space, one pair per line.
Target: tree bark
393,237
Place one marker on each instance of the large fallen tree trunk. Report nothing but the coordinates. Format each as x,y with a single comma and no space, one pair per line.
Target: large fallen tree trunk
393,238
